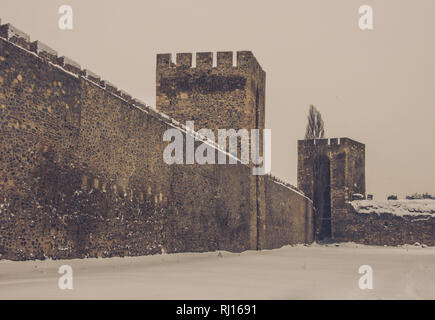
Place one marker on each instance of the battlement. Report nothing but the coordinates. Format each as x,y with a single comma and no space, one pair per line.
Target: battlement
329,142
213,90
66,64
204,60
15,35
81,140
9,31
43,51
70,65
92,76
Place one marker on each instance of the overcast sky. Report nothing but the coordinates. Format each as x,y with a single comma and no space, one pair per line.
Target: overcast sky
376,87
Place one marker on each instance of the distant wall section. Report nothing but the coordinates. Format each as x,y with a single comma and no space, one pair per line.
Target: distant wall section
385,228
289,218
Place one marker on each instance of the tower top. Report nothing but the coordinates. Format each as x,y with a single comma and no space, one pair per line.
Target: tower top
204,60
229,95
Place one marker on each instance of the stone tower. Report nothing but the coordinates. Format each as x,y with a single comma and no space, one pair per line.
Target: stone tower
230,95
330,172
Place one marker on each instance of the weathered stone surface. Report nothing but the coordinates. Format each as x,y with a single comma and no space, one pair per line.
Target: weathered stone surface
44,51
109,86
289,218
330,172
344,181
15,35
92,76
215,98
82,173
221,97
70,65
385,229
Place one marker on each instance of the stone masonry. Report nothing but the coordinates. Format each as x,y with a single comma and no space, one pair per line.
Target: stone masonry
82,171
332,173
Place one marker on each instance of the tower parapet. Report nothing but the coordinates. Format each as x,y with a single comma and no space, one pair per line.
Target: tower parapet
43,50
15,35
230,95
204,60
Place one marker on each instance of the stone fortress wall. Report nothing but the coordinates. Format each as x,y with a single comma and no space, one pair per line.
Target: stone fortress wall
82,171
386,228
332,173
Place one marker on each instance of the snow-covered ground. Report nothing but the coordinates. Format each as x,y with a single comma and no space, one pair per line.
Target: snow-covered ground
396,207
299,272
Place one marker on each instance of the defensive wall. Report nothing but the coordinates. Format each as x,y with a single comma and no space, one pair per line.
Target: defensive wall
332,173
82,171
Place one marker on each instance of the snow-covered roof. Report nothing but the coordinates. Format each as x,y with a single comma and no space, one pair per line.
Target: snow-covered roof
396,207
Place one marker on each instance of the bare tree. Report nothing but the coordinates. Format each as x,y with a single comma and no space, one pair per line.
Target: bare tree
315,126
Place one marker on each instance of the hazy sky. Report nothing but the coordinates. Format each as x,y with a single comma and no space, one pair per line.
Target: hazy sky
376,87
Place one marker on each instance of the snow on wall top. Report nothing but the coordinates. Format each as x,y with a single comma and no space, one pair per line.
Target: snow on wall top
396,207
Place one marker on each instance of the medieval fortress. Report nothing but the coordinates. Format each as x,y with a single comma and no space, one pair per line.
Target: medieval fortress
82,171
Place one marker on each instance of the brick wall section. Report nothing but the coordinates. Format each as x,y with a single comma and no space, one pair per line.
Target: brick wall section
82,174
384,229
289,216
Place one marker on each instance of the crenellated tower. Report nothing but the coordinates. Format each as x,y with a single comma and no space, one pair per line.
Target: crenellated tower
230,95
330,172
